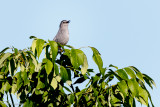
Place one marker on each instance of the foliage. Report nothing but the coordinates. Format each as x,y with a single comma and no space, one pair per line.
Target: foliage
54,80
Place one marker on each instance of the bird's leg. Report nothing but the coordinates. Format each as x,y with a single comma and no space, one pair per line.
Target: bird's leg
60,50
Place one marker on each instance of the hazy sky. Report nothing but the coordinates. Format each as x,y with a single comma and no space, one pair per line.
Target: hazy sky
126,32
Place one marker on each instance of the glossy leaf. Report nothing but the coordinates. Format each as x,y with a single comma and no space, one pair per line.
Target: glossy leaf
123,87
133,86
39,46
63,73
143,93
98,60
48,65
54,49
130,72
122,74
77,57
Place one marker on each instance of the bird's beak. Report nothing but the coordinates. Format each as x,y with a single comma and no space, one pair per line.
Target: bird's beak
68,21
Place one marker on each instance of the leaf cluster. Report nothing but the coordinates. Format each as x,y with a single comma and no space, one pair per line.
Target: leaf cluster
54,81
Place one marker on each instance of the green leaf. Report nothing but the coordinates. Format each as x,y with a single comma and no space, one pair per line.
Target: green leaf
4,50
2,104
113,66
6,87
77,57
58,78
32,37
4,57
54,49
98,60
85,65
143,93
63,73
67,89
151,81
69,82
39,46
130,72
28,103
14,88
123,87
133,86
11,67
122,74
140,76
71,98
54,83
56,70
40,85
48,65
34,46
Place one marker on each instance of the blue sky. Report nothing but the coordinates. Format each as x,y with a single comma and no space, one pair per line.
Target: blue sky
125,32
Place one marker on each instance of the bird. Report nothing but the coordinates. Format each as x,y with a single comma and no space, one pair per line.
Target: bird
62,35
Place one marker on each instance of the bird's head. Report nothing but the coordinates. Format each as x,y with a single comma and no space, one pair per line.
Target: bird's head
64,23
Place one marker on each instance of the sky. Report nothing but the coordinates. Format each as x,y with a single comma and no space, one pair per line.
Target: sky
126,32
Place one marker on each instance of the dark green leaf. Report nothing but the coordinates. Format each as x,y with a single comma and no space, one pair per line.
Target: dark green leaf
4,50
32,37
56,70
80,80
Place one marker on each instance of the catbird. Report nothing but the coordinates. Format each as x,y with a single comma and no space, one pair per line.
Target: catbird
62,36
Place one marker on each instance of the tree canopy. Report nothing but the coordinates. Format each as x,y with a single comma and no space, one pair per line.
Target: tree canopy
56,79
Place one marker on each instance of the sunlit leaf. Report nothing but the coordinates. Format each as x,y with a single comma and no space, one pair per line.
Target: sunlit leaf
6,87
40,85
54,83
48,65
123,87
122,74
140,76
130,72
34,46
98,60
39,46
4,57
54,49
4,50
85,65
77,57
133,86
143,93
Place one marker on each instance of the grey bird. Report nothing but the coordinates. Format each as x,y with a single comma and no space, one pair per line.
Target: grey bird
62,36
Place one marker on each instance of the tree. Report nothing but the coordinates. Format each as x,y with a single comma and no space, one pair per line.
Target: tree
53,80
